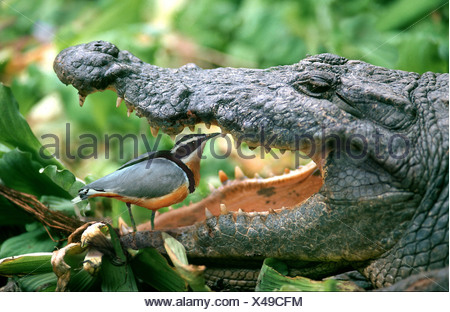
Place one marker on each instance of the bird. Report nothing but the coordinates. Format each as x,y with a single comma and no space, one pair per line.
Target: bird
153,180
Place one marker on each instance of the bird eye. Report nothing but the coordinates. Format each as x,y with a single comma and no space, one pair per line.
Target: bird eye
182,151
186,149
314,83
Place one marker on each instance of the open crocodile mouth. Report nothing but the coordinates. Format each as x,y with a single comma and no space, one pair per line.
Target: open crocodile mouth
237,195
240,194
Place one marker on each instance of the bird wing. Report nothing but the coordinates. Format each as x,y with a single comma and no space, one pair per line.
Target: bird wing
155,178
162,154
144,157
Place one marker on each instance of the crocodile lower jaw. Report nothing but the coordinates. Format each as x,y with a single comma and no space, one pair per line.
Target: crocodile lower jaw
246,195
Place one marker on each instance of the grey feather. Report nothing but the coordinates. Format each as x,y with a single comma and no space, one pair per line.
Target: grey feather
148,179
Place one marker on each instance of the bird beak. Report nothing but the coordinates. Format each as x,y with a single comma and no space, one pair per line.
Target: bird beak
209,136
212,135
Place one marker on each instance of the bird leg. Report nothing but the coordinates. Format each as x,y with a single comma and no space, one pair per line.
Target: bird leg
133,224
152,219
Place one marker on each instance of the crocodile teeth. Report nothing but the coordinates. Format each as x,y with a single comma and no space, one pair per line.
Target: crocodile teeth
222,176
81,99
170,208
208,214
271,210
119,101
238,174
223,209
257,176
157,214
192,128
211,187
286,170
154,131
129,111
207,125
240,211
173,137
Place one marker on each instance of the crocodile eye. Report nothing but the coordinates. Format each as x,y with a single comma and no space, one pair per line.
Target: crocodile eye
314,83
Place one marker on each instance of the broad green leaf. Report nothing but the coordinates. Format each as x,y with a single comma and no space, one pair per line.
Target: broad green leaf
15,131
58,204
81,280
192,274
64,179
19,171
26,264
40,282
33,241
273,278
3,149
117,277
153,269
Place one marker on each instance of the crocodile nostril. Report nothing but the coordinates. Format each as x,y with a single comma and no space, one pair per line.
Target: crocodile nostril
103,47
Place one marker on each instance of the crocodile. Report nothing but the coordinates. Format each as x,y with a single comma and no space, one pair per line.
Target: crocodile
378,138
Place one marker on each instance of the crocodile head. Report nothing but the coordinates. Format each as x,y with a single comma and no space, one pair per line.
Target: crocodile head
378,136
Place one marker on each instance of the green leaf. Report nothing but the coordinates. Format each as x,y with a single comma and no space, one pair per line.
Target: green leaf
26,264
19,168
15,131
40,282
58,204
273,278
33,241
81,280
192,274
3,149
64,179
151,267
19,171
117,277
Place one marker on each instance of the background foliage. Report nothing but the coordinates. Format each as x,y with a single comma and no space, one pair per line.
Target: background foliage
410,35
